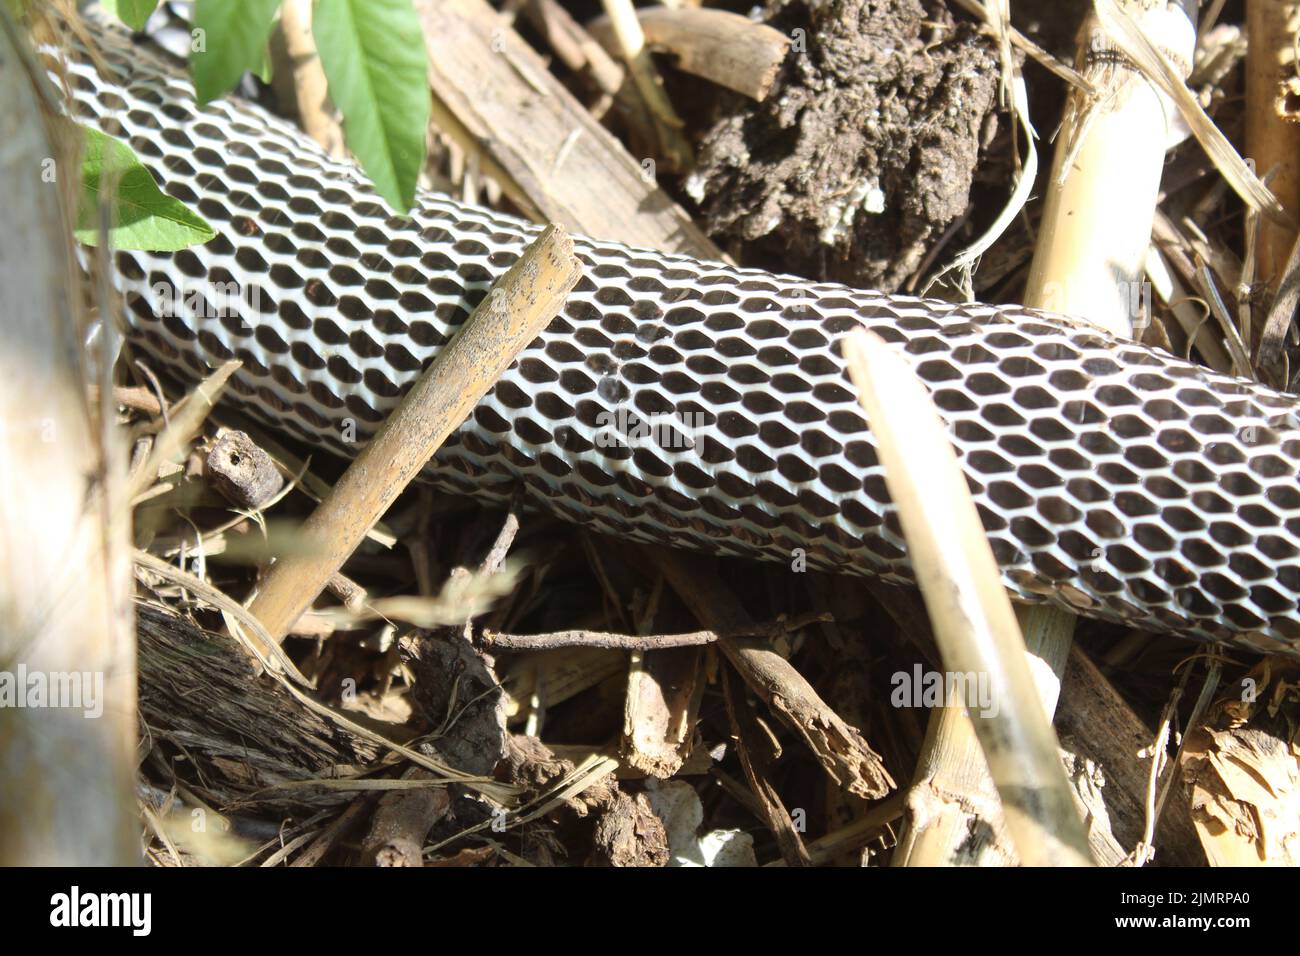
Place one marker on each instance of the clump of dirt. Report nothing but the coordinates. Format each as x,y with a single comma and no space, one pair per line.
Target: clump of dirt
864,151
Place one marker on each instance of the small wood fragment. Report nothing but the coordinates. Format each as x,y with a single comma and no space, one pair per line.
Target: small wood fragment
716,45
242,472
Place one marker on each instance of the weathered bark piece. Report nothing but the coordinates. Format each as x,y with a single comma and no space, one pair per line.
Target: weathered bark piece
1100,725
241,731
242,471
722,47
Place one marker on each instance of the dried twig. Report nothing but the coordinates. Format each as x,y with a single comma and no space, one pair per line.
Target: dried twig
511,315
647,642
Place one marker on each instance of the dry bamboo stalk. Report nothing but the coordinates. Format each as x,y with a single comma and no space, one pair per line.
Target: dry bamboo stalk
1099,202
1096,228
953,814
519,306
721,47
67,756
1272,120
974,624
547,146
1101,199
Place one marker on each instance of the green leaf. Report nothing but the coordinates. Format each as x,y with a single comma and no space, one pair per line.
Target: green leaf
233,40
133,13
142,215
374,58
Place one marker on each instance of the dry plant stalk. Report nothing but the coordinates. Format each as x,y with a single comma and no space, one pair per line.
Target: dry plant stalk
1128,28
517,308
67,649
1101,197
1096,227
974,624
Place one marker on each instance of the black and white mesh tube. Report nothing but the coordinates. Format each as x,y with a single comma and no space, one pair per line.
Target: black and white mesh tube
705,406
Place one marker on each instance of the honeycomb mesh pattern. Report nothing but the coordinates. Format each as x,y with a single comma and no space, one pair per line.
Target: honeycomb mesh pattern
699,405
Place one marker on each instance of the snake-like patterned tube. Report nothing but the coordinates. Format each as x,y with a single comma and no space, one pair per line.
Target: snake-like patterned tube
705,406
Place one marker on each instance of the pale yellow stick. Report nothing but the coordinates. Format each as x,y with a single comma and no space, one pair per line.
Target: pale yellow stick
974,624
